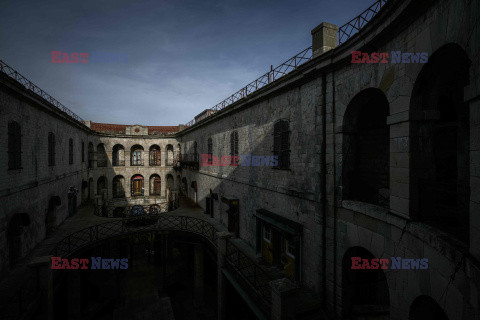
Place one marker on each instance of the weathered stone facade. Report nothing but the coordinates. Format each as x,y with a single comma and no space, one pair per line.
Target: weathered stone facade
366,143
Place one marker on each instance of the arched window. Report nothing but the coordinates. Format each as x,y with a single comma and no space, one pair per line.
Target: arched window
281,143
169,155
366,149
234,144
70,151
170,184
14,146
118,155
136,155
137,186
102,159
209,150
155,185
91,155
155,156
101,185
118,187
51,149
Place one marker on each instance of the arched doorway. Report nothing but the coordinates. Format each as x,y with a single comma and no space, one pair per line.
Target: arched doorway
364,291
51,215
14,236
137,186
440,152
102,187
425,308
91,193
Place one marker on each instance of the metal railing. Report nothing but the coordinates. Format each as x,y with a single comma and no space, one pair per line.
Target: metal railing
344,33
113,210
12,73
253,278
353,26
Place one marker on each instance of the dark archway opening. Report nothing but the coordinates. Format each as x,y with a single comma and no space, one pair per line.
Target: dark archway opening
14,236
364,291
439,131
366,149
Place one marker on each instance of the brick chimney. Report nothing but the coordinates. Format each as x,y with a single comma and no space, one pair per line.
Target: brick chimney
324,38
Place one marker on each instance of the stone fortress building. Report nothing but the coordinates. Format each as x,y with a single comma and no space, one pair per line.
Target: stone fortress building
375,160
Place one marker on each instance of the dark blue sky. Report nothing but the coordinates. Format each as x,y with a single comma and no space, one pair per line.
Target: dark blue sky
183,55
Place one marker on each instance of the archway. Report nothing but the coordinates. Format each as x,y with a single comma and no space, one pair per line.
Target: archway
14,236
366,150
118,155
364,291
118,187
185,187
169,186
51,214
439,127
102,186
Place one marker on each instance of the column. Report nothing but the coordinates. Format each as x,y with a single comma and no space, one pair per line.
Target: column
198,275
324,38
221,280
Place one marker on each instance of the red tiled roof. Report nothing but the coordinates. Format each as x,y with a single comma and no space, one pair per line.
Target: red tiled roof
120,128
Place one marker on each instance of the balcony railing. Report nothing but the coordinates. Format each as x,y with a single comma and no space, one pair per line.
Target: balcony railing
344,33
188,160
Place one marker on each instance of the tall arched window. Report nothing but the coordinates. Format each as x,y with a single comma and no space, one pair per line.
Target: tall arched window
366,152
136,155
155,156
137,185
118,186
14,146
234,144
281,143
169,155
155,185
209,150
91,155
51,149
70,151
118,155
102,158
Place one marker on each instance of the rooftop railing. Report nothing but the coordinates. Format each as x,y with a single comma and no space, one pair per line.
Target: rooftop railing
345,32
12,73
